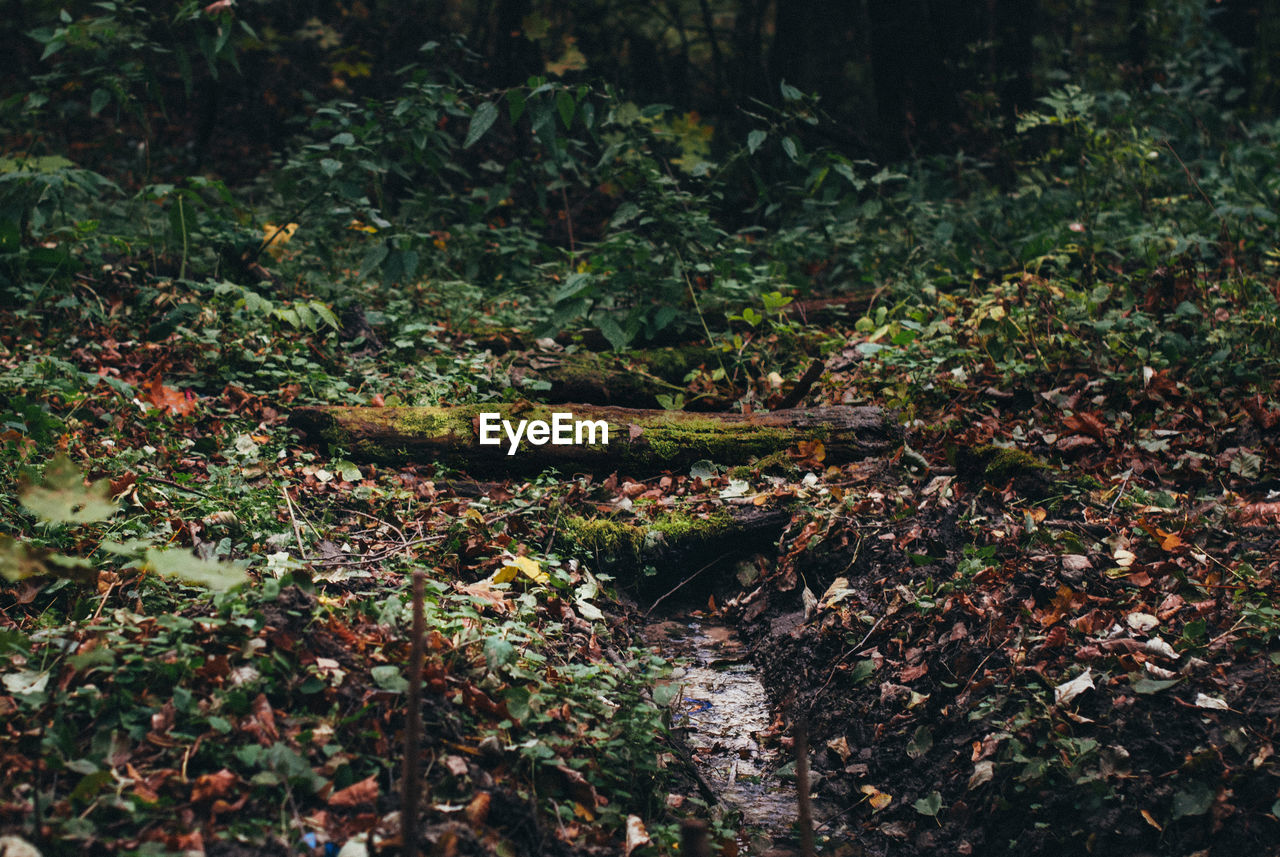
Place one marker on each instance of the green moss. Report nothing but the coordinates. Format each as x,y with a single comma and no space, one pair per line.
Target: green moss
774,462
701,438
602,537
616,542
1004,463
674,525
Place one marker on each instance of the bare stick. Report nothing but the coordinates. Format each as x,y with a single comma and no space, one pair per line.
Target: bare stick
805,820
297,528
802,387
693,838
412,785
679,586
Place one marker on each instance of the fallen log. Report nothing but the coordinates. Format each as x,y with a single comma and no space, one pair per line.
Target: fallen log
638,440
650,556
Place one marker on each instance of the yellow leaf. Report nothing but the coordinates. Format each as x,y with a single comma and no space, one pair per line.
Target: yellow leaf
878,799
275,237
506,574
531,568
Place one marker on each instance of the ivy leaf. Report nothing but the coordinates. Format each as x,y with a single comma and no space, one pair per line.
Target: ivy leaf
63,497
189,568
755,140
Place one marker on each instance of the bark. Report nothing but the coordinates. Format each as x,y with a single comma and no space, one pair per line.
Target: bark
649,441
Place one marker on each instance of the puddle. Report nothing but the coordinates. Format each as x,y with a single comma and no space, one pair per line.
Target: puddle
721,710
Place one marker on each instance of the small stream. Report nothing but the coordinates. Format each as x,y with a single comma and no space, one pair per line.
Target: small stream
721,713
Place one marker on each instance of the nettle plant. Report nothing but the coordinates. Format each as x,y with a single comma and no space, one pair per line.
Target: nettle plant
67,509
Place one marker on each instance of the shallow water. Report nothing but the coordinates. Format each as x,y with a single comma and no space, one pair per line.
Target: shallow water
721,712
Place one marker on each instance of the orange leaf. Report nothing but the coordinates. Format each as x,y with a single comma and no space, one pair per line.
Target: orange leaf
478,810
362,793
169,400
210,786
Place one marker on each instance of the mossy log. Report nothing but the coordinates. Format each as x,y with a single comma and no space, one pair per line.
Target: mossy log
638,440
650,555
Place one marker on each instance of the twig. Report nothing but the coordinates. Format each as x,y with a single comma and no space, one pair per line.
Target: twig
177,485
836,666
807,380
678,586
804,820
1125,484
297,529
386,524
387,554
412,787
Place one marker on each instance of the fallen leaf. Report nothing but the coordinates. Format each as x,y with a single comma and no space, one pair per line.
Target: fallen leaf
478,809
1069,690
1141,622
636,834
169,400
210,786
1211,702
363,793
982,773
878,799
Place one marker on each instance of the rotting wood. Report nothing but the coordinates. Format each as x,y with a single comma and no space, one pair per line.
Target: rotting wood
639,440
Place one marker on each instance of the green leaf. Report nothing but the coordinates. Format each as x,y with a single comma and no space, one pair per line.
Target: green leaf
498,652
100,99
789,146
1193,800
755,140
481,121
372,260
388,677
63,497
189,568
18,560
347,470
921,742
1246,464
929,804
617,337
515,105
517,699
565,104
1151,685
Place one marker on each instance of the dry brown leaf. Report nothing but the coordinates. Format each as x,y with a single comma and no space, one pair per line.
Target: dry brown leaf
363,793
211,786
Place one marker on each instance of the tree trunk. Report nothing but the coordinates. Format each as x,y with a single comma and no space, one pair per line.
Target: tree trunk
647,441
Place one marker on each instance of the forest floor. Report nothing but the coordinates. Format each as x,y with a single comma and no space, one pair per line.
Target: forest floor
1044,624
